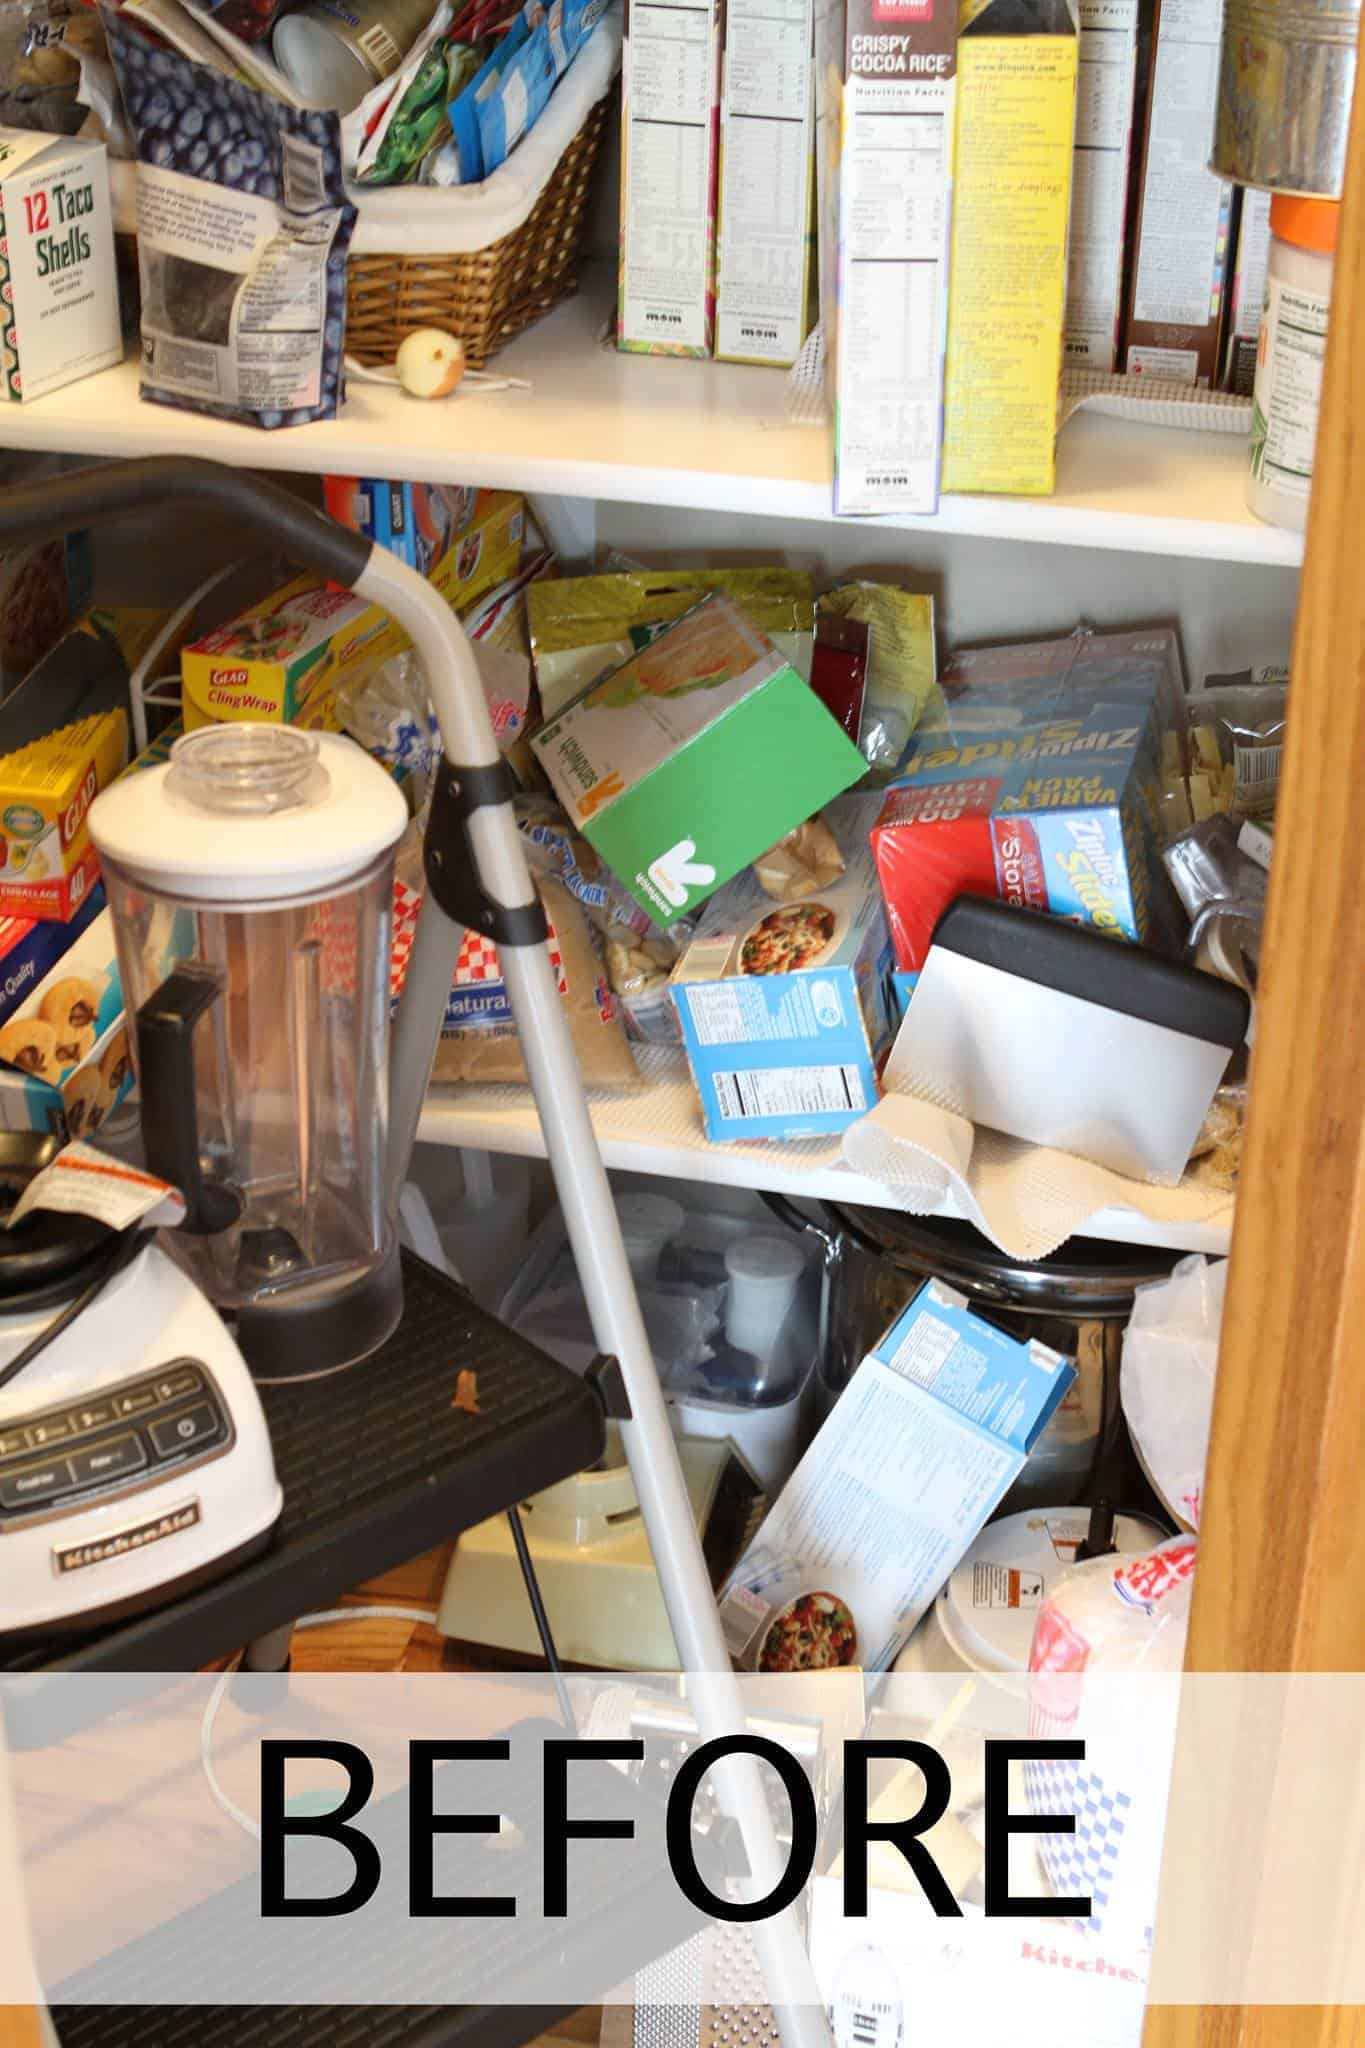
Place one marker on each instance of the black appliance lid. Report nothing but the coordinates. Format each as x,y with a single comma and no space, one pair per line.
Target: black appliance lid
48,1256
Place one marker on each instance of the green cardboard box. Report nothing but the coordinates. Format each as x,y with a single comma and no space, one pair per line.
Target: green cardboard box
695,757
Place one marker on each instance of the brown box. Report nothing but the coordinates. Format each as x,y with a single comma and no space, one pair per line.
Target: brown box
1176,291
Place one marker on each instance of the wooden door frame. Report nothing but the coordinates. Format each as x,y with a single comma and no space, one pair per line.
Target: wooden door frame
1280,1584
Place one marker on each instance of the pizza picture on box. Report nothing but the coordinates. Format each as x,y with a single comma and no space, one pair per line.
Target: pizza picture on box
814,1632
787,940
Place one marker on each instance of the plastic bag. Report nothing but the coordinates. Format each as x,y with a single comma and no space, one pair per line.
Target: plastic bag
1237,730
43,45
254,189
801,864
900,670
1170,1354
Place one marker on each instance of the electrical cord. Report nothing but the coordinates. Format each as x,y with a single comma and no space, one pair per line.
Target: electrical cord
125,1249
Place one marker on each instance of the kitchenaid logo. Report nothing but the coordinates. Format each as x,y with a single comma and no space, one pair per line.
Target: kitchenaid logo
101,1549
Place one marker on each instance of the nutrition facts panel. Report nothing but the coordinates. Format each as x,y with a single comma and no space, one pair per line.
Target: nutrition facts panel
671,71
767,136
1104,119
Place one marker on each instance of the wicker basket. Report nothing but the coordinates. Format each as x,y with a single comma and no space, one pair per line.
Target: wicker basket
491,294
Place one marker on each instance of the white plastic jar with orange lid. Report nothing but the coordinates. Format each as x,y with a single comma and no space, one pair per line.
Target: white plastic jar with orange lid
1289,357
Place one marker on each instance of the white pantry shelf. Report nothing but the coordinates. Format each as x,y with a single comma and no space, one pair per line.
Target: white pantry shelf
702,436
658,1130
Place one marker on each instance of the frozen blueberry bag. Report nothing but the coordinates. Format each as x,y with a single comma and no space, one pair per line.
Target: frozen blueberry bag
243,229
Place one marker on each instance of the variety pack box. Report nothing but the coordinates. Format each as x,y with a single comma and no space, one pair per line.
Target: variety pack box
64,1059
887,83
785,1008
765,247
63,738
694,757
416,522
670,125
286,658
59,307
918,1452
1055,816
1184,210
1016,117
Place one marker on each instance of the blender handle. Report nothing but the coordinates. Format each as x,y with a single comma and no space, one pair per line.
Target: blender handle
170,1128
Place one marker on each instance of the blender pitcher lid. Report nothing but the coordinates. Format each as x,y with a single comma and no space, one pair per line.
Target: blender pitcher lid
245,811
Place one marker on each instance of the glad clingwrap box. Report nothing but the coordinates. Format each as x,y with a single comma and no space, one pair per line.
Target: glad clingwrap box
286,658
1054,816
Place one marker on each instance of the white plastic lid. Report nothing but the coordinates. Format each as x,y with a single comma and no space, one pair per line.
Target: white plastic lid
250,812
989,1606
763,1261
648,1219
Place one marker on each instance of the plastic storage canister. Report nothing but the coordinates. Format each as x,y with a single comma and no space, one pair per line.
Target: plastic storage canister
764,1273
1289,358
648,1223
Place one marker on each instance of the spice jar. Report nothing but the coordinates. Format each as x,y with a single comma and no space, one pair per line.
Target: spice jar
1289,357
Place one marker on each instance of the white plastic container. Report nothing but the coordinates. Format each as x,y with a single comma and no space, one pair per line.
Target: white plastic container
648,1223
1289,358
764,1273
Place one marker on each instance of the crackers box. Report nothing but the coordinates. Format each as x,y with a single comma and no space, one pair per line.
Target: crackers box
918,1452
670,119
64,1047
785,1008
59,307
765,244
694,757
286,658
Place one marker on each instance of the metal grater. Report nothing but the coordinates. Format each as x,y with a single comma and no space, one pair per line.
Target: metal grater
708,1994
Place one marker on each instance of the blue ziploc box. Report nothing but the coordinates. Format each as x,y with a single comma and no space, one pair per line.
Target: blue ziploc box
916,1455
786,1008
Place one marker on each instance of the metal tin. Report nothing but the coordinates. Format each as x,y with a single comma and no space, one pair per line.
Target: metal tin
1284,94
333,51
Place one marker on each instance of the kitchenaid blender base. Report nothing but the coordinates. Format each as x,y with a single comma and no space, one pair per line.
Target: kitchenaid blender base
308,1333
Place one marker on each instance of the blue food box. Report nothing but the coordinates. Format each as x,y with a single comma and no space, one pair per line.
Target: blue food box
786,1008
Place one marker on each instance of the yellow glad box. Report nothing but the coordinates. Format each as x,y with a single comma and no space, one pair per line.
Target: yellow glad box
1016,115
47,864
288,656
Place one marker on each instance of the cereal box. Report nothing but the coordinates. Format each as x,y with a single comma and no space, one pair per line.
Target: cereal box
59,309
670,117
286,658
918,1452
785,1008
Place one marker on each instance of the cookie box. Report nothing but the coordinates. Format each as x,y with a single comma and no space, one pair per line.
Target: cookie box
286,658
64,1058
694,757
30,947
784,1008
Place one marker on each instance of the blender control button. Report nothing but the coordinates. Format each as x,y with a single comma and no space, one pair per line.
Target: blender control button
37,1483
93,1416
17,1440
185,1432
135,1401
50,1430
185,1380
108,1460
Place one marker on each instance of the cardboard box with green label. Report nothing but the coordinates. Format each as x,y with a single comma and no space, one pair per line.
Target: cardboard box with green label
695,757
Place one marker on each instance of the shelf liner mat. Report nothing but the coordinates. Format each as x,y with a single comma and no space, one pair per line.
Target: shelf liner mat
1026,1198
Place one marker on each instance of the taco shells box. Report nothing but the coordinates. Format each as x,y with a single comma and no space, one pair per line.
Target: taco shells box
785,1008
64,1048
59,306
918,1452
286,657
694,757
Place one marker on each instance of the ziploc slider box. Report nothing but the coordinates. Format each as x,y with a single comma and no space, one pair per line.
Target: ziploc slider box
1016,110
893,165
1052,817
670,118
920,1449
785,1008
694,757
1175,300
765,245
59,308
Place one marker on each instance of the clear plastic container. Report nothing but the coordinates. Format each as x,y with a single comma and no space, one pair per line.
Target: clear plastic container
1289,358
648,1223
764,1273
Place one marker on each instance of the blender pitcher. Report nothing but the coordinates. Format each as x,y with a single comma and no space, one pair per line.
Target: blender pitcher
251,884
